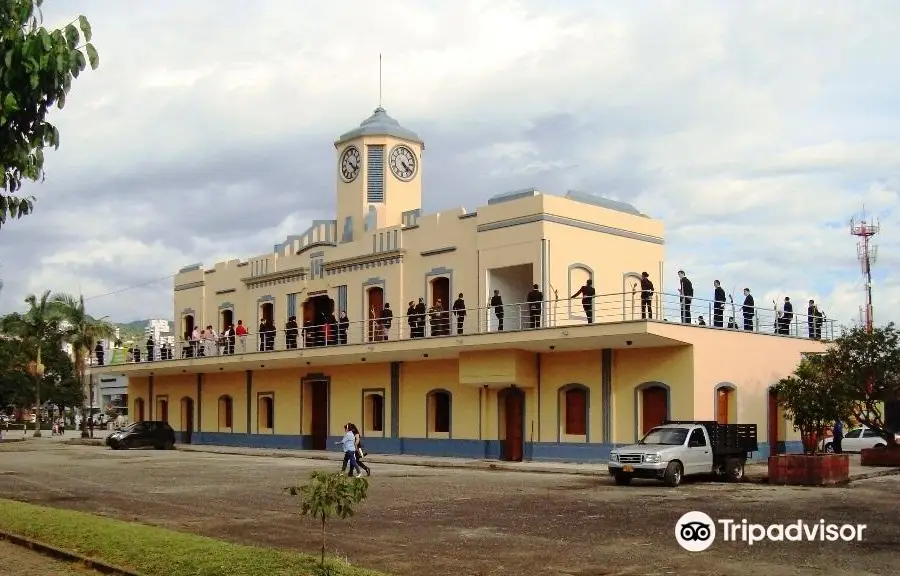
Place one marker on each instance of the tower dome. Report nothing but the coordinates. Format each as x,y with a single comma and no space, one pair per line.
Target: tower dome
380,124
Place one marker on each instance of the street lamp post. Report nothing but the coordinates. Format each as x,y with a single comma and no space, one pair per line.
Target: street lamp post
36,370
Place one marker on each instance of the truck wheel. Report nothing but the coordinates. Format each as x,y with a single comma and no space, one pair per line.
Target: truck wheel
674,474
623,479
734,469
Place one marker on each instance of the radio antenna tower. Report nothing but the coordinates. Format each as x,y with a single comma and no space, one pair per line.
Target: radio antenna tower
867,255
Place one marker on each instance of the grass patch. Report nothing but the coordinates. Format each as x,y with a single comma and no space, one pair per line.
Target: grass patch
153,551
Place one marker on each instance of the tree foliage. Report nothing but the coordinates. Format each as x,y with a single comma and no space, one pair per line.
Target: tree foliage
812,400
329,496
37,67
865,366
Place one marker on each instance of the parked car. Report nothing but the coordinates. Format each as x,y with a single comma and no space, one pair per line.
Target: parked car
858,439
157,434
678,449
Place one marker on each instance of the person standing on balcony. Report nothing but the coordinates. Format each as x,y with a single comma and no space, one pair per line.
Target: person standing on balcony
195,342
718,304
290,333
434,317
497,305
459,310
687,294
241,332
812,313
587,293
411,319
535,300
748,309
150,346
343,327
387,318
646,297
787,316
421,312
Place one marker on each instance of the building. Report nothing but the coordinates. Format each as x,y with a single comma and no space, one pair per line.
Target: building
549,385
159,330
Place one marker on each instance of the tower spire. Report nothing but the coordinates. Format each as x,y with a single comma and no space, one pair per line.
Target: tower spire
379,80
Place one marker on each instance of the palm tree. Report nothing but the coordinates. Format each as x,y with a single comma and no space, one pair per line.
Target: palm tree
82,332
39,325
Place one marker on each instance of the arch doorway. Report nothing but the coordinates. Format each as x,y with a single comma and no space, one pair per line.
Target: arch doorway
512,424
187,326
162,409
725,405
267,313
316,312
227,317
139,410
187,419
374,306
654,407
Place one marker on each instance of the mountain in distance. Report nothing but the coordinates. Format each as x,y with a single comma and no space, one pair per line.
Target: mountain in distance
135,328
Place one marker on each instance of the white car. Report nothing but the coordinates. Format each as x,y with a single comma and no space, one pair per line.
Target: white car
857,439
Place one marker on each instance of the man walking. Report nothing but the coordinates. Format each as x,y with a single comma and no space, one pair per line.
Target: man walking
348,445
749,309
497,305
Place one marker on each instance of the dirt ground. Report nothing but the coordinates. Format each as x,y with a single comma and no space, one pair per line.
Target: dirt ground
19,561
463,522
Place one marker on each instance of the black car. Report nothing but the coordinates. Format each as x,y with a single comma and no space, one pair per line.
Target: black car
157,434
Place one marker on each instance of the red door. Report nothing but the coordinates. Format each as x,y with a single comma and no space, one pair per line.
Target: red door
655,407
773,439
376,305
514,406
319,424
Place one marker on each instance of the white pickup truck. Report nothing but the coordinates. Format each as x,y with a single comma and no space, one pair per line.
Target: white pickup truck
685,448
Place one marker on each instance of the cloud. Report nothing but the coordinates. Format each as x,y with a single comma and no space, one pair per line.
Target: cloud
754,131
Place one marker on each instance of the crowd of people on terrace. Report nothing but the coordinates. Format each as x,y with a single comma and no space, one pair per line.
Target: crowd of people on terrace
322,328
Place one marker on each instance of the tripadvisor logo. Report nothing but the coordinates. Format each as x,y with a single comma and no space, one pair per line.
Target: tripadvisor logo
696,531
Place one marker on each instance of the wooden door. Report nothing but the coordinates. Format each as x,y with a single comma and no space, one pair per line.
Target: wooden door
773,424
514,408
319,424
373,312
187,420
655,407
722,398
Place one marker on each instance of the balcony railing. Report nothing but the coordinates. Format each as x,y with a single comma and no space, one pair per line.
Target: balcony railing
434,323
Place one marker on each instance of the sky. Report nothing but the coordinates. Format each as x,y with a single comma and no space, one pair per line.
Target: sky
754,131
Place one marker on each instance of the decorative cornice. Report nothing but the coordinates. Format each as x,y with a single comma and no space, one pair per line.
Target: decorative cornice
225,291
437,251
292,274
190,285
365,259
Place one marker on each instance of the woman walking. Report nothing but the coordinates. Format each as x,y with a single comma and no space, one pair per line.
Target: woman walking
359,449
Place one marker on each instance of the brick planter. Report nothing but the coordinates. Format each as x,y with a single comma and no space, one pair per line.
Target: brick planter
885,457
809,469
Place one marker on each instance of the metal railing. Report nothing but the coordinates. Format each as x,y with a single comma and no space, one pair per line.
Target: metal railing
437,323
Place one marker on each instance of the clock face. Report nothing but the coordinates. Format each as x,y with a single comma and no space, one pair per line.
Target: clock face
403,163
351,162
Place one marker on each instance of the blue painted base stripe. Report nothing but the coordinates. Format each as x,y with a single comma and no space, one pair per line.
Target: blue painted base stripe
476,449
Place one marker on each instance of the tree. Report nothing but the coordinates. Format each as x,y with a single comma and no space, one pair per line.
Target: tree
40,324
37,67
812,401
82,332
60,385
16,387
866,367
330,495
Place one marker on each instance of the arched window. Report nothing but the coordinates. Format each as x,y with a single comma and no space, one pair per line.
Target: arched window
373,416
265,417
439,404
573,408
226,414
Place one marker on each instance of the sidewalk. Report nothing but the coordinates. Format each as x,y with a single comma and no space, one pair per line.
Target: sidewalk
754,472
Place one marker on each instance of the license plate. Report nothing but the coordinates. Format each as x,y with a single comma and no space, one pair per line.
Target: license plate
627,468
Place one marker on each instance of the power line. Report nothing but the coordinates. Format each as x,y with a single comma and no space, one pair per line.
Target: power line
132,287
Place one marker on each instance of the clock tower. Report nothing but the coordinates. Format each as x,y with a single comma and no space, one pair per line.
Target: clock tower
379,176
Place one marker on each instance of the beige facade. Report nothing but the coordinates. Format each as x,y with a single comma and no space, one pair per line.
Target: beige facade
381,248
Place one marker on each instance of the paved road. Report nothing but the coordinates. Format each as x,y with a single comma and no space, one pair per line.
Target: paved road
461,522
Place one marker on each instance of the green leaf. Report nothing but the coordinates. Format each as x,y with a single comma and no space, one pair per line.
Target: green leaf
7,58
10,102
72,36
93,57
85,28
